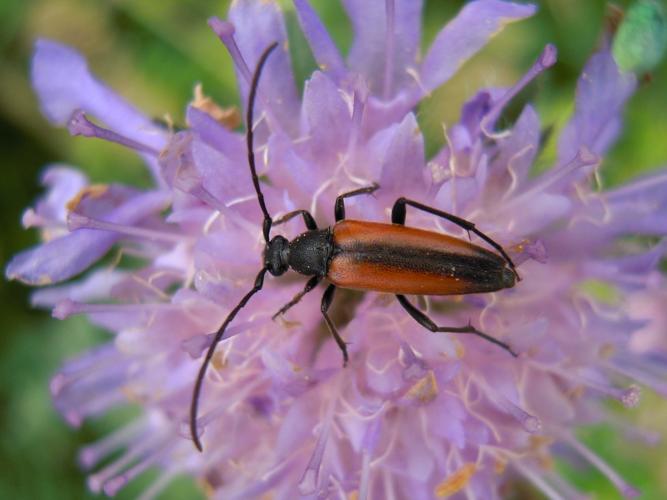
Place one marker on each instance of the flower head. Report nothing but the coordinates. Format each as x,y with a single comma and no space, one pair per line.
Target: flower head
415,414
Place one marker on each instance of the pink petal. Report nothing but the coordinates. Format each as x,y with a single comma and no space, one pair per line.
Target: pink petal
258,25
323,47
368,55
601,95
465,35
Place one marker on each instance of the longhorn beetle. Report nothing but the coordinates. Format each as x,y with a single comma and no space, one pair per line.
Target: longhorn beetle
363,255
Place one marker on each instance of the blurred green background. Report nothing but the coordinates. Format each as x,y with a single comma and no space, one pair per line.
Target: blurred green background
152,53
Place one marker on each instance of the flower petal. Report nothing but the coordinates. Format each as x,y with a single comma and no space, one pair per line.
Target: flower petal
601,95
399,150
638,208
258,25
291,173
62,258
466,34
322,107
64,84
510,168
323,47
370,52
96,286
230,144
64,183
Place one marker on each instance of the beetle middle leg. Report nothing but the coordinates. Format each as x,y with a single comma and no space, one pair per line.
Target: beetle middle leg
327,298
428,323
398,213
339,208
308,219
310,284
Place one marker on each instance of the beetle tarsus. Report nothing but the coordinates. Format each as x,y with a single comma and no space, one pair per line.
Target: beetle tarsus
428,323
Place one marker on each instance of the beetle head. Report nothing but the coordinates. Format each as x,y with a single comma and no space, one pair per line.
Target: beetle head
276,255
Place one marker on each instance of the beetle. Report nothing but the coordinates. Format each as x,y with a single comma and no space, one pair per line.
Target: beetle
362,255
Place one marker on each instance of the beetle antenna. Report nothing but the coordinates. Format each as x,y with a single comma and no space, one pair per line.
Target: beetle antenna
250,137
194,404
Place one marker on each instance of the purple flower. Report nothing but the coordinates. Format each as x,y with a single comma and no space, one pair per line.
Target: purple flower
414,414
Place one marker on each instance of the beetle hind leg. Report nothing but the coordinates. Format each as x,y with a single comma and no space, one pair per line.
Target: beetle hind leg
398,214
428,323
327,298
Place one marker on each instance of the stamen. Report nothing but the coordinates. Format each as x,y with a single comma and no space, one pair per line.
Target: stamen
196,344
390,13
456,481
78,221
158,485
415,367
32,219
358,107
97,481
77,388
310,478
537,480
102,356
388,485
512,170
628,397
624,488
308,483
90,406
225,31
89,391
80,125
530,423
640,370
529,250
238,393
368,445
67,308
557,177
553,178
115,484
633,432
567,490
91,455
546,60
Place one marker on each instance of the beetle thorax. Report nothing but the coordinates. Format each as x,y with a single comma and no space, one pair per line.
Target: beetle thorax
310,252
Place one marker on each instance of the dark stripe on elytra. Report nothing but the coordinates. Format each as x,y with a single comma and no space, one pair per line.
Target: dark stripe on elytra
470,268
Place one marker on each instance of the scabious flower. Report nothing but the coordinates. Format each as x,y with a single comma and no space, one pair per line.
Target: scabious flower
415,414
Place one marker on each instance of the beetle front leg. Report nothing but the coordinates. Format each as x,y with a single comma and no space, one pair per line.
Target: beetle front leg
310,284
428,323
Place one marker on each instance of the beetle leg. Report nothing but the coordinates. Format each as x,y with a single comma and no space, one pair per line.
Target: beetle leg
428,323
398,213
310,284
327,298
307,219
339,209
